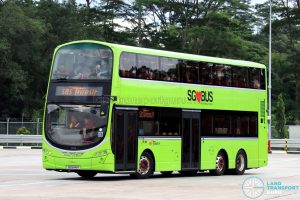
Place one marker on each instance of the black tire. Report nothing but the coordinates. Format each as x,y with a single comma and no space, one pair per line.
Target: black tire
87,174
146,166
240,163
221,164
166,173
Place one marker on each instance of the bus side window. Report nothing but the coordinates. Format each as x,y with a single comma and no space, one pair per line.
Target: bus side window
219,75
207,123
190,72
240,77
169,69
253,125
147,67
254,78
227,75
206,71
148,121
222,124
128,65
169,121
240,124
148,128
262,79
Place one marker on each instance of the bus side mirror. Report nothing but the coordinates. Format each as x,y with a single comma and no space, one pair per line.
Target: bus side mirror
113,98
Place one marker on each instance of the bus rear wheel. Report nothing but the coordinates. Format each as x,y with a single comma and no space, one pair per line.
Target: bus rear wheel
220,165
240,163
87,174
146,166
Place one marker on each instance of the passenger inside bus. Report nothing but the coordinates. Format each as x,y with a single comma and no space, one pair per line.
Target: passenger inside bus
88,132
219,76
102,70
63,71
132,72
82,72
256,84
143,72
74,122
187,75
254,81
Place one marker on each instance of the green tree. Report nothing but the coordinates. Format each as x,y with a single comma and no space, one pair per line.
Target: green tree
20,59
286,54
280,118
31,29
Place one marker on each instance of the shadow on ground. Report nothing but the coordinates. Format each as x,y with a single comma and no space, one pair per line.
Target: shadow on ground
127,177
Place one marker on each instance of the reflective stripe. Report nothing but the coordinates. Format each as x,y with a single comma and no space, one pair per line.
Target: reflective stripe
126,108
159,138
229,138
197,111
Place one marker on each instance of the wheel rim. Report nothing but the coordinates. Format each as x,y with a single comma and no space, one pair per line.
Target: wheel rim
240,162
144,165
220,163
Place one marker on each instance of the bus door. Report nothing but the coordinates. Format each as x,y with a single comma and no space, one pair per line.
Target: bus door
190,140
125,138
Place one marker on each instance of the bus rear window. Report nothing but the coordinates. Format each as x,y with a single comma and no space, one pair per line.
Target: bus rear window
83,61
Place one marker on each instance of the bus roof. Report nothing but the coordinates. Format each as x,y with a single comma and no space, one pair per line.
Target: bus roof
172,54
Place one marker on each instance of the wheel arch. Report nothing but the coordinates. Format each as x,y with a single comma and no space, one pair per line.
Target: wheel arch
152,154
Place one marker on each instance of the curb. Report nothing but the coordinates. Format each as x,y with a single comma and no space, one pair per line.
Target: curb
284,152
21,147
293,152
278,152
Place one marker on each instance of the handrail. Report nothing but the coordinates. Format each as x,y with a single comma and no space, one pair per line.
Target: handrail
286,144
20,139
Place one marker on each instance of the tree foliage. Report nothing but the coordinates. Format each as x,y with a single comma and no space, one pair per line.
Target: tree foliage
30,30
280,118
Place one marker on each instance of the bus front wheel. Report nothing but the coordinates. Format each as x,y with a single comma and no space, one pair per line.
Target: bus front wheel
220,165
87,174
146,166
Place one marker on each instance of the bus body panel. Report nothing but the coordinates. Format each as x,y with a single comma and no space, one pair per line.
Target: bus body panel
167,153
210,148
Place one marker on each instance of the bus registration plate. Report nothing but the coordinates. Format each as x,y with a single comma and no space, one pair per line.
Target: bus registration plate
73,167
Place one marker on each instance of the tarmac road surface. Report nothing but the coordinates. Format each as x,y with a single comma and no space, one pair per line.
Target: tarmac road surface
22,177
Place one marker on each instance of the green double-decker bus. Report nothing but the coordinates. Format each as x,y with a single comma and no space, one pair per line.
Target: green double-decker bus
112,108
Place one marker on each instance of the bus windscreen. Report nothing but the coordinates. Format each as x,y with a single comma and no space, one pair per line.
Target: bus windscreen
83,61
76,126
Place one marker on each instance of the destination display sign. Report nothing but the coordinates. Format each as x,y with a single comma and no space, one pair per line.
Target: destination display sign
146,113
78,91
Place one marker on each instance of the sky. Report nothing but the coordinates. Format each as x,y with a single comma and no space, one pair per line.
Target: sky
258,1
253,1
